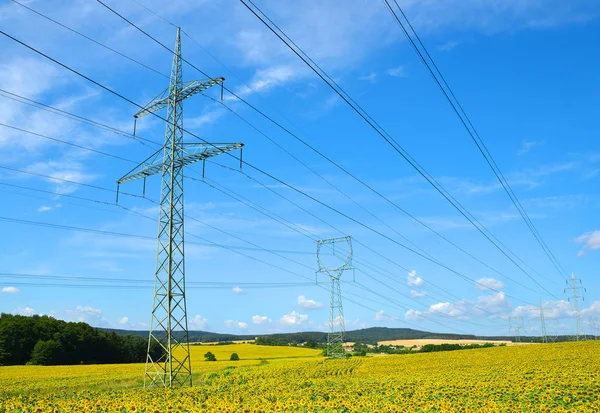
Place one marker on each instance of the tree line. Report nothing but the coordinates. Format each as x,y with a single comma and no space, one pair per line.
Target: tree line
43,340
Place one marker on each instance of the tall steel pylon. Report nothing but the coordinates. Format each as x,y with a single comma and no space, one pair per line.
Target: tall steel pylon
168,358
593,324
515,324
543,321
575,286
335,337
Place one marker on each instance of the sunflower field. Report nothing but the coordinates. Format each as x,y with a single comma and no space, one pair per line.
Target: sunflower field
562,377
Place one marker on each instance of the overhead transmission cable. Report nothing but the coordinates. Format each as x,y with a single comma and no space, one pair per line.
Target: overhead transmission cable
457,107
117,131
385,135
283,128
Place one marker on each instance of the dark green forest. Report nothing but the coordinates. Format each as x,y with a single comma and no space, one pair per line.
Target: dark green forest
43,340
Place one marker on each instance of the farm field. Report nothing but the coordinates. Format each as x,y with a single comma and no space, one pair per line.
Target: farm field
422,342
561,377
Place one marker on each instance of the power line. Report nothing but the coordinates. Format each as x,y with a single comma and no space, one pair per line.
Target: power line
244,162
466,122
297,138
39,135
283,128
379,130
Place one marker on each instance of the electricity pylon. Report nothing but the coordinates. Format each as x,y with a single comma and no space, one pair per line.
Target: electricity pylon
575,286
594,325
170,365
543,321
335,337
515,324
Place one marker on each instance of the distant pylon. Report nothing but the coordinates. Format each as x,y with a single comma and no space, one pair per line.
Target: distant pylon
515,324
168,358
575,286
335,337
543,321
593,324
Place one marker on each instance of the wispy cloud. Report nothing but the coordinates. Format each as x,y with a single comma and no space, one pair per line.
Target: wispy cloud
371,77
590,242
399,71
526,146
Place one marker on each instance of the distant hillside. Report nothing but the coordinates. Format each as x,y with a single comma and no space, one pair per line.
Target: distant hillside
367,335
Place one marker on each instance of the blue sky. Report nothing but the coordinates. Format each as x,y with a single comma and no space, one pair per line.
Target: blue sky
526,73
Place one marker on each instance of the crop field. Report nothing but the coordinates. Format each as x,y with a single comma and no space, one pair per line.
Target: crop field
562,377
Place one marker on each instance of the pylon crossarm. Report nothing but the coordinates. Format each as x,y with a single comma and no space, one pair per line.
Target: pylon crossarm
151,160
145,169
188,89
155,104
195,86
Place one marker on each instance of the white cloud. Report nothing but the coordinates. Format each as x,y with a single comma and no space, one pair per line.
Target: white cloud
526,146
417,294
399,71
261,319
59,172
308,304
451,310
237,290
86,314
414,280
124,320
412,315
44,208
266,79
28,311
494,303
489,284
236,324
381,316
590,241
369,78
293,319
9,289
198,322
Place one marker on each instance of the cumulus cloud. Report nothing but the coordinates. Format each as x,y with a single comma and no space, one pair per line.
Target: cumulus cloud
494,303
308,304
237,290
124,320
449,309
261,319
293,319
417,294
412,315
414,280
9,290
236,324
197,322
381,316
487,284
590,241
85,314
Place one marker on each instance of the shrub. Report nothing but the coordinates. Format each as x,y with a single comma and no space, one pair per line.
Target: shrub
210,356
234,357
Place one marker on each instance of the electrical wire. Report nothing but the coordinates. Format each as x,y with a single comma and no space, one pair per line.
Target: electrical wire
205,74
380,131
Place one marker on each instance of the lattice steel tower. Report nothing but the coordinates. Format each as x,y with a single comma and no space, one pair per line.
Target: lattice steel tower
170,365
515,324
575,286
335,337
543,321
